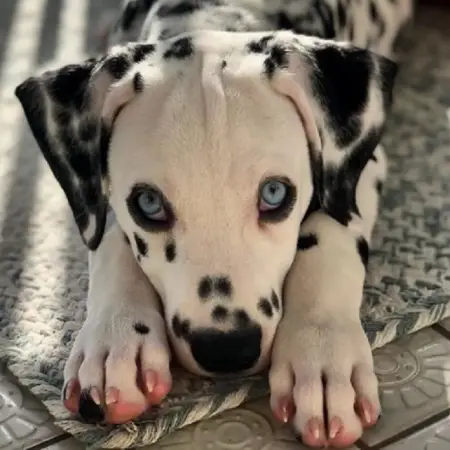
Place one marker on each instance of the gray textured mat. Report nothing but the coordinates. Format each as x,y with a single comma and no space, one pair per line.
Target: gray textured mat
43,272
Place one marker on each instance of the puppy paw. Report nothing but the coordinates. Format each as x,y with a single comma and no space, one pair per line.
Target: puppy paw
117,369
322,379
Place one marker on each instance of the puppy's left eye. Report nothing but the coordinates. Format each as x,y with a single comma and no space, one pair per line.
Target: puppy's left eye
276,199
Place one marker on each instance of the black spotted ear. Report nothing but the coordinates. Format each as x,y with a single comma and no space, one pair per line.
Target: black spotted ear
343,95
70,112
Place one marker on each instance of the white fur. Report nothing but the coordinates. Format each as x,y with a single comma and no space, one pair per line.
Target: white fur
207,139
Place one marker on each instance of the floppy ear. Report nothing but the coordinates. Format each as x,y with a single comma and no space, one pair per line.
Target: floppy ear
70,112
343,95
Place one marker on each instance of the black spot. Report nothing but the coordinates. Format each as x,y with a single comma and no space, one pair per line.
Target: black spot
141,51
80,162
340,183
68,86
306,241
222,286
127,239
63,116
141,328
180,49
205,288
363,250
342,16
138,82
275,300
141,245
379,186
223,64
284,22
176,326
180,328
219,314
88,130
105,138
88,410
265,307
241,318
260,46
129,14
277,60
117,66
226,352
374,16
183,7
170,251
338,68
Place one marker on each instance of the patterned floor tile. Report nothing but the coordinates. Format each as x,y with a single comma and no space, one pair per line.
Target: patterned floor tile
250,427
23,420
435,437
66,444
414,375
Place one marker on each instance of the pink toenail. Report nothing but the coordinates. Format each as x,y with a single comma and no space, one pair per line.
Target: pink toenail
315,427
111,396
335,427
95,395
367,412
70,387
150,381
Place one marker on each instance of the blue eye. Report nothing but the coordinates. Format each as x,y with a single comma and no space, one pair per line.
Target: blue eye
151,204
272,195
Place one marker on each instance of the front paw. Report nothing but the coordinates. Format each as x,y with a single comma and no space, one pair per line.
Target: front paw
322,377
117,368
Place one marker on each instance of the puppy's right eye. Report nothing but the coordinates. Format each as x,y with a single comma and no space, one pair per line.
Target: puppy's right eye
149,208
151,204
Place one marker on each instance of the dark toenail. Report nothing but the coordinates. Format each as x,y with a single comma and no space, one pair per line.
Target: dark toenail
298,436
88,410
64,391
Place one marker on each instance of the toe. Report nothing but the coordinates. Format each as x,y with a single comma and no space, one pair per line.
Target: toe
314,434
118,410
124,400
281,381
283,409
71,395
156,386
367,412
367,402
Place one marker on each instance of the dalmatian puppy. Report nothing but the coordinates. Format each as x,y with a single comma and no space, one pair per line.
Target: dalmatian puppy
237,143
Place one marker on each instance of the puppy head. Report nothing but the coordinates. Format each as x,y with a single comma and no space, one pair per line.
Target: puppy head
209,148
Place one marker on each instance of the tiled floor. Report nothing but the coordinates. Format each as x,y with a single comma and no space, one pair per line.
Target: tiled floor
414,375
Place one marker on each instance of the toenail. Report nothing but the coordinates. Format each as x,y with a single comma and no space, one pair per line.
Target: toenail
68,389
89,411
314,427
111,396
285,406
150,381
95,394
335,427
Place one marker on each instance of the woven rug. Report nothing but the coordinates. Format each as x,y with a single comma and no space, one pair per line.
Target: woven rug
43,265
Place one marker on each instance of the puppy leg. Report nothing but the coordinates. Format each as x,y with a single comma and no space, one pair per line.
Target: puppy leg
119,364
321,360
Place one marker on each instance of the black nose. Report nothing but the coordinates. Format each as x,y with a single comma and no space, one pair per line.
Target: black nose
226,352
